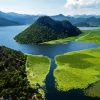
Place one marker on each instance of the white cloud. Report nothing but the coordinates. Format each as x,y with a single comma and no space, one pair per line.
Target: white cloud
82,4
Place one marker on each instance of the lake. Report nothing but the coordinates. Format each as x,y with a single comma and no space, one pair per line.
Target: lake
88,28
6,39
8,33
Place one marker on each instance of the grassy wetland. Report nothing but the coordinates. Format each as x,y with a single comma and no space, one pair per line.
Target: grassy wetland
37,68
77,70
90,36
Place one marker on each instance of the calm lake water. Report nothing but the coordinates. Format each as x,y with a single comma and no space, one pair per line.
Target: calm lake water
88,28
6,39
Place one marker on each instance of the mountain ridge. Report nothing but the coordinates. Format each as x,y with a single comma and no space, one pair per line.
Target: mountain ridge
24,19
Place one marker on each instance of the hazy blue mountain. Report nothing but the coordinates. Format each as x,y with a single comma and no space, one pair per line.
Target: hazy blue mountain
82,24
6,22
23,18
4,15
59,17
93,21
80,20
29,19
86,16
20,18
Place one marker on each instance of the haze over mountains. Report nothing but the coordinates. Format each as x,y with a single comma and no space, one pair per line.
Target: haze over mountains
12,18
19,18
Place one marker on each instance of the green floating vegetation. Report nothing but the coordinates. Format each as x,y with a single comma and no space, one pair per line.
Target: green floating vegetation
37,68
90,36
77,70
94,90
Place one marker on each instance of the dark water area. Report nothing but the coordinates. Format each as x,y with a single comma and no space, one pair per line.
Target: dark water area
6,39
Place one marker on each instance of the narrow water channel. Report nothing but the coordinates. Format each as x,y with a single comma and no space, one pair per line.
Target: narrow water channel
53,94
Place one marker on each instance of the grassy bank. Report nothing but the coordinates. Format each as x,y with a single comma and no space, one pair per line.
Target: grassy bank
90,36
77,69
87,36
37,68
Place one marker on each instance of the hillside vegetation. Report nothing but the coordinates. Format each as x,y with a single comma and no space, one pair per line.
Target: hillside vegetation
13,80
46,29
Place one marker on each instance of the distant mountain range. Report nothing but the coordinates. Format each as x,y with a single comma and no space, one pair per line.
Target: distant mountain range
86,16
80,20
23,19
6,22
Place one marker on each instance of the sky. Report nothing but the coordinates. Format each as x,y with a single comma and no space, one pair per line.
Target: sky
51,7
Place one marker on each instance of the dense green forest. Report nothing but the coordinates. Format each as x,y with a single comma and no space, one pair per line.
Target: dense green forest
46,29
13,80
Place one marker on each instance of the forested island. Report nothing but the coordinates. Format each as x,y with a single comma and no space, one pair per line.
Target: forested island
46,29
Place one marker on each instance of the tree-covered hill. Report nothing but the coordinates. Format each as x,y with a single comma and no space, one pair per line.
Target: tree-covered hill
46,29
13,80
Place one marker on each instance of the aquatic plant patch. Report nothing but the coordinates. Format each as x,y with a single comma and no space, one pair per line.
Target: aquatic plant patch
37,68
77,70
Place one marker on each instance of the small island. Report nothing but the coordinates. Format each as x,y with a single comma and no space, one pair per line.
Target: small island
46,29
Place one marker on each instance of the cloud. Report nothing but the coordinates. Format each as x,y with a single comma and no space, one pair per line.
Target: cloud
82,4
74,7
